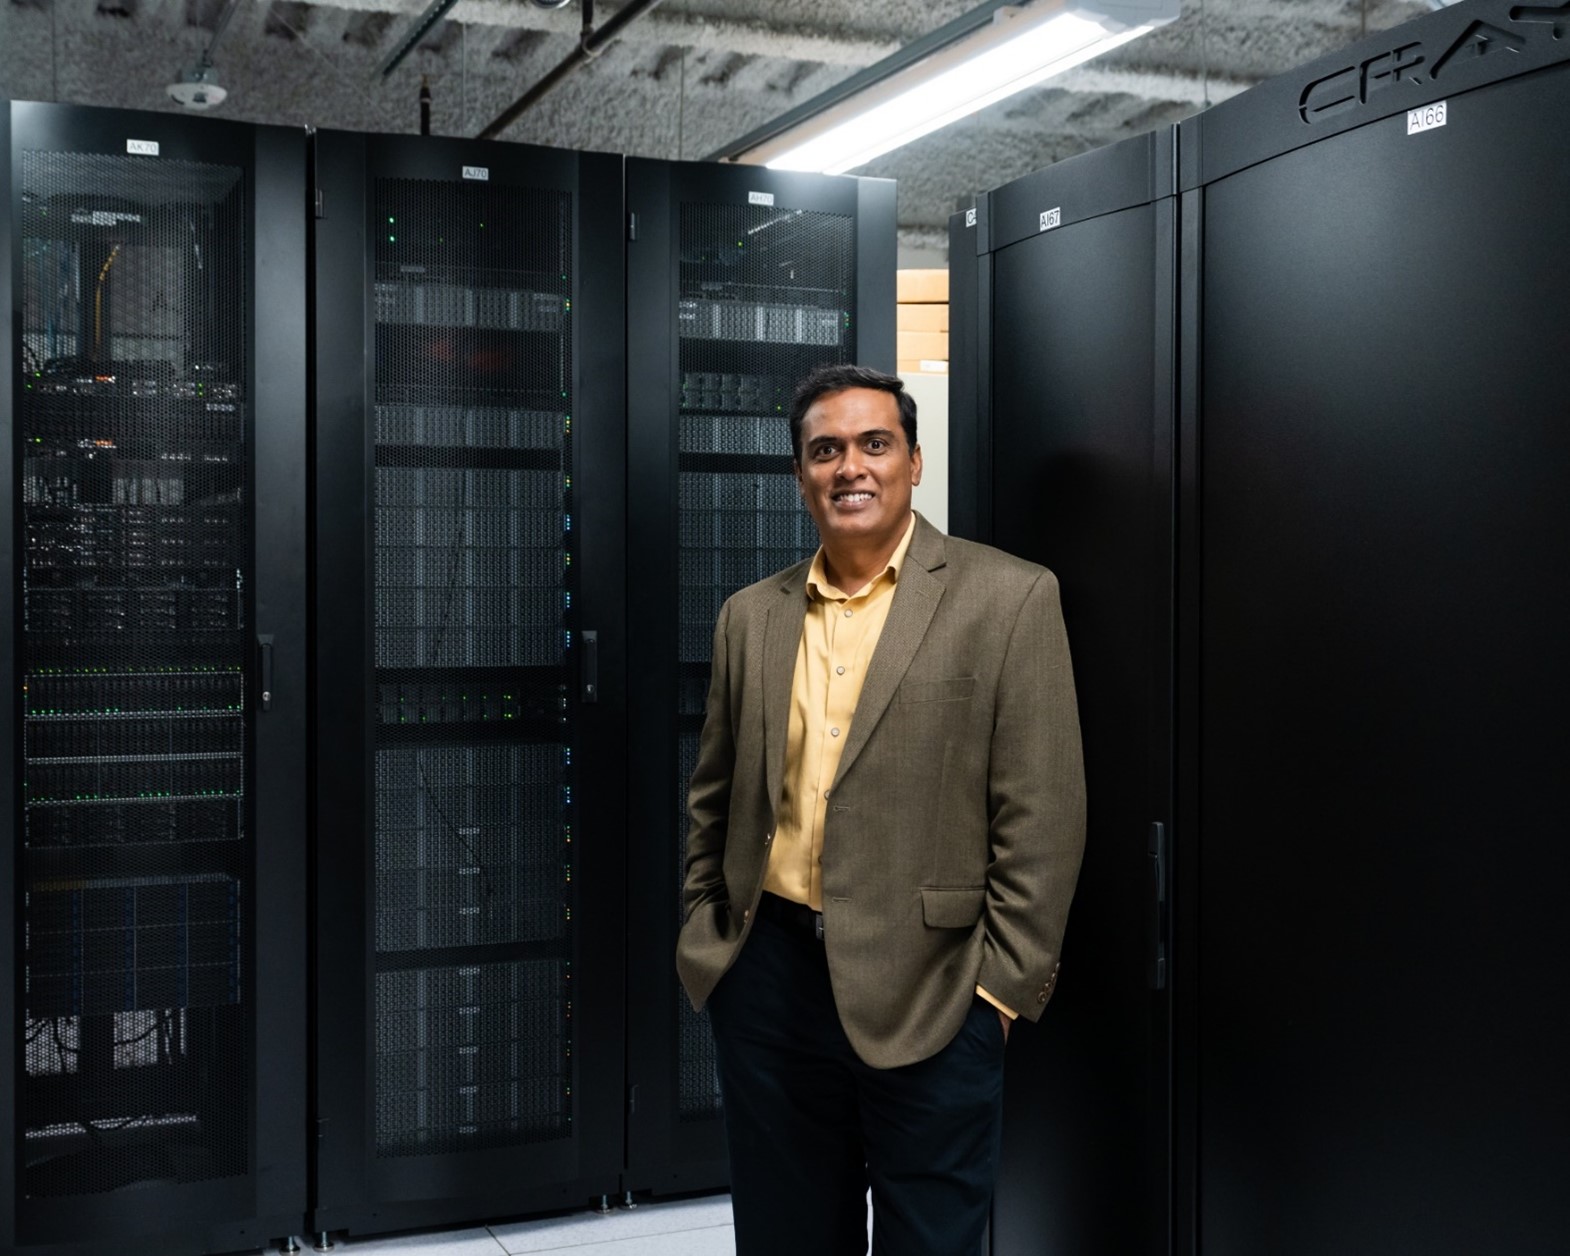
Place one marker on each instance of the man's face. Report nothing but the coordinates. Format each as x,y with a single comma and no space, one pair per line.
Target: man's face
856,470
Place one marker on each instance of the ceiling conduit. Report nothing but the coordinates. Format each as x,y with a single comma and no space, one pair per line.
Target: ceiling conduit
590,44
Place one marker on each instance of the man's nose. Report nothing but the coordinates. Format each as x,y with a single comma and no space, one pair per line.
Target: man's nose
850,466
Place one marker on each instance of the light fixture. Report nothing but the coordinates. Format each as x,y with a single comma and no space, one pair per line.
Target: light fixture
198,87
977,60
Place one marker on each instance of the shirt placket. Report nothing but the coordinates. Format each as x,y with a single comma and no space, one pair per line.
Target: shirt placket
839,614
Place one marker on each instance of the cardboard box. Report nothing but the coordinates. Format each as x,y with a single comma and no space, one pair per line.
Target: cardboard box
921,366
922,286
910,345
922,317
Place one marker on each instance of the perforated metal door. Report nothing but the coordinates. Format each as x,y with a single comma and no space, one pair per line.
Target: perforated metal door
765,296
133,427
473,826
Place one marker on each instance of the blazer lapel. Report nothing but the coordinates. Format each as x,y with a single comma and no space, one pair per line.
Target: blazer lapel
781,641
916,598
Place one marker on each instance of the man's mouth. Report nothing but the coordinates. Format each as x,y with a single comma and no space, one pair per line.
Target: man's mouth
852,499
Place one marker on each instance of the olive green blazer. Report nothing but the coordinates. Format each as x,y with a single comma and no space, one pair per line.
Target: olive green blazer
956,821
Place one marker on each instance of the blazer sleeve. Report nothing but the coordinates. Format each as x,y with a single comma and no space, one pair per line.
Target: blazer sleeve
1036,807
708,794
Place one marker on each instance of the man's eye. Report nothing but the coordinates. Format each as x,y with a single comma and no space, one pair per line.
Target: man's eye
876,445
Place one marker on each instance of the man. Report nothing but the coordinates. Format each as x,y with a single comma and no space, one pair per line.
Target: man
887,815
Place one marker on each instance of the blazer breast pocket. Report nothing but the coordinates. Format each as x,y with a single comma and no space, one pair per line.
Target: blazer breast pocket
956,690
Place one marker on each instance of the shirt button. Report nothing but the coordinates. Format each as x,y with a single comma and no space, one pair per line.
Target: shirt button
849,613
834,732
839,671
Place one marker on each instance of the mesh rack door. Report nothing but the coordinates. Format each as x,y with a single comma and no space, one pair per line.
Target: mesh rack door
472,919
764,296
135,571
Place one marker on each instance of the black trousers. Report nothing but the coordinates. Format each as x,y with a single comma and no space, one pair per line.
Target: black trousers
811,1126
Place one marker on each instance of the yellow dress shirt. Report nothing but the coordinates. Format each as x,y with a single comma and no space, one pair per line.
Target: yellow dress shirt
838,637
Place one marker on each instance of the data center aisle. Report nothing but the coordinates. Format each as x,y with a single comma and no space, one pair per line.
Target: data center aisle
691,1227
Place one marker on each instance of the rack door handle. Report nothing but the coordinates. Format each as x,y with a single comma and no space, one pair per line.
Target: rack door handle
264,643
1159,874
589,638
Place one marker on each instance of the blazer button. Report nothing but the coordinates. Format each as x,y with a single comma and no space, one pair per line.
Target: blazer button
747,915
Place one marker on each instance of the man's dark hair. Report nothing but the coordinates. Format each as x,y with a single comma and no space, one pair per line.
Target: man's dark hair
828,380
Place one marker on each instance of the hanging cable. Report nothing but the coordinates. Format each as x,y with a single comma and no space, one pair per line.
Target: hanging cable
98,306
1204,56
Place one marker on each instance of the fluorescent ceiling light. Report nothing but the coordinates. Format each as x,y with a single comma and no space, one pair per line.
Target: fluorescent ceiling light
1020,48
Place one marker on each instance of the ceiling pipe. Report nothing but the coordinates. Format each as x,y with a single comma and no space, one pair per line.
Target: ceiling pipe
418,30
591,43
218,30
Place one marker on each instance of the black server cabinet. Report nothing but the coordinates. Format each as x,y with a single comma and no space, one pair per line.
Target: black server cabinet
153,690
970,291
740,281
469,496
1373,675
1070,292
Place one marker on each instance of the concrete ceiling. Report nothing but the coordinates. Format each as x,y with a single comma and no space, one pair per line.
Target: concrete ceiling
681,82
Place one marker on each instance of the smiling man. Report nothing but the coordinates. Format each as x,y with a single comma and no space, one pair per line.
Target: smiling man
887,816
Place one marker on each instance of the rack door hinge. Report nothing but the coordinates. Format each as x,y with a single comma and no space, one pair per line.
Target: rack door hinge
632,226
321,204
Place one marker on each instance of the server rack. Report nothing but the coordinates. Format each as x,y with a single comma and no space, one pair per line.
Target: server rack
469,446
153,704
740,281
1374,674
1063,319
970,490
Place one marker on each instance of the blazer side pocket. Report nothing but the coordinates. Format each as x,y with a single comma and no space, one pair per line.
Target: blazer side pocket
952,908
938,690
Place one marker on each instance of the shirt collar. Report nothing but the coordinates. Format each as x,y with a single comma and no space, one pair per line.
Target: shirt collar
818,586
